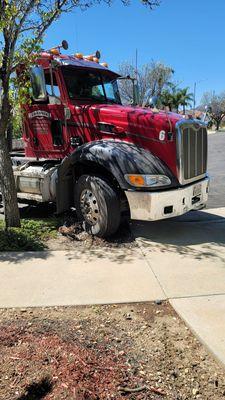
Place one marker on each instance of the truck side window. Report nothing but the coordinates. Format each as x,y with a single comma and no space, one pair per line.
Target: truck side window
112,91
56,91
54,98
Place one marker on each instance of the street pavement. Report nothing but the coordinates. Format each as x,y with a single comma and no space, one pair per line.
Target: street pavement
216,168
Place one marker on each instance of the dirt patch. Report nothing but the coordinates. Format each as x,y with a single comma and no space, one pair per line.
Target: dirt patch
117,352
63,233
72,235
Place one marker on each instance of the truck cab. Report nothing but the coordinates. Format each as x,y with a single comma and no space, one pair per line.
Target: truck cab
85,149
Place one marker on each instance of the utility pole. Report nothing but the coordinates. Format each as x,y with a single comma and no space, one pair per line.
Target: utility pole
136,64
194,98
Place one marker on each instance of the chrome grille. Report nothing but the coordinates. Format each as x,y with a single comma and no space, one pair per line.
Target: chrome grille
191,151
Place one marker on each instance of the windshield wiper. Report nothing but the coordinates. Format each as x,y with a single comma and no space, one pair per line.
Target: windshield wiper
112,101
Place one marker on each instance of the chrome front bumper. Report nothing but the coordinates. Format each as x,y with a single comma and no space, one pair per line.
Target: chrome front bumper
152,206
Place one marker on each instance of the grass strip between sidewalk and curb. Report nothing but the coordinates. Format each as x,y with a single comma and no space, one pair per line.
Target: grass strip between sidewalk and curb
30,237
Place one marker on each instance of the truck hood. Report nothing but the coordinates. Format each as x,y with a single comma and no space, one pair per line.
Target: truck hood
136,119
153,130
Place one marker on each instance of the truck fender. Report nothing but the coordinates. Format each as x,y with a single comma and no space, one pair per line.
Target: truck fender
115,157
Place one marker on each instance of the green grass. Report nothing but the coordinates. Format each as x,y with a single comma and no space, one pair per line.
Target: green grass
31,236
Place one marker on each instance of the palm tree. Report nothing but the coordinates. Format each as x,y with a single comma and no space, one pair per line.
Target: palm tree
175,97
186,98
167,99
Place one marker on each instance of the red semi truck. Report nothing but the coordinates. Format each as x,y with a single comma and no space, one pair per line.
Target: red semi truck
84,149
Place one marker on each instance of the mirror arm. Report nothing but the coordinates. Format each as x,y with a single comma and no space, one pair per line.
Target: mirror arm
51,78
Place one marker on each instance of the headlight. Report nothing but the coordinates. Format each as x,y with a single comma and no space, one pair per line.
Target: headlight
147,180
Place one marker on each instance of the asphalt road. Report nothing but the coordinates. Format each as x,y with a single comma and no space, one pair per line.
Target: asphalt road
216,168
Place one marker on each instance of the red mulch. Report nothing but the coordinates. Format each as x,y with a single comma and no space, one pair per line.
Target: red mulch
76,371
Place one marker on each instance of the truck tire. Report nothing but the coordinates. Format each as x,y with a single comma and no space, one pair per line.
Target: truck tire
98,205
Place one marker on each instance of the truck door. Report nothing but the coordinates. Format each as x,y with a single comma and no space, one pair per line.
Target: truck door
66,126
46,135
58,137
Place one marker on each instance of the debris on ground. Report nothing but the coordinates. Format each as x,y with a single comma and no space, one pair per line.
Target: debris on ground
97,353
71,234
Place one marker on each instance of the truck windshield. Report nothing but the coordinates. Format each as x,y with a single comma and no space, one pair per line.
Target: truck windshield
91,85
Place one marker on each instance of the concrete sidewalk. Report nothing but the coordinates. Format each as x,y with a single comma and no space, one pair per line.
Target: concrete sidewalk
74,277
205,315
182,259
187,256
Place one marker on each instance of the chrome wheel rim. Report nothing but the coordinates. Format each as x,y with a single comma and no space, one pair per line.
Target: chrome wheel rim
89,206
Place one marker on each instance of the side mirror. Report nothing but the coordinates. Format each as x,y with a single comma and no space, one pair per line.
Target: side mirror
208,108
38,84
153,101
150,101
65,45
205,117
98,54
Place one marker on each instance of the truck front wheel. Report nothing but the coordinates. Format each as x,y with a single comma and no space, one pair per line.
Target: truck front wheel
98,205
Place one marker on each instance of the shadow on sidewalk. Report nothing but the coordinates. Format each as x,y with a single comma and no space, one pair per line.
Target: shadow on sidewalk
197,234
16,257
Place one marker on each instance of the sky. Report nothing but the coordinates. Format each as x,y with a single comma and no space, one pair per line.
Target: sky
187,35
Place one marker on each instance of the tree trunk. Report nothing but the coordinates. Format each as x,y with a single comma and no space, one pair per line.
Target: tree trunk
8,188
7,181
10,136
218,125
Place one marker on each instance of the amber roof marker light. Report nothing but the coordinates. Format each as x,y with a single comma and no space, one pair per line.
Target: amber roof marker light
93,57
79,55
104,64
